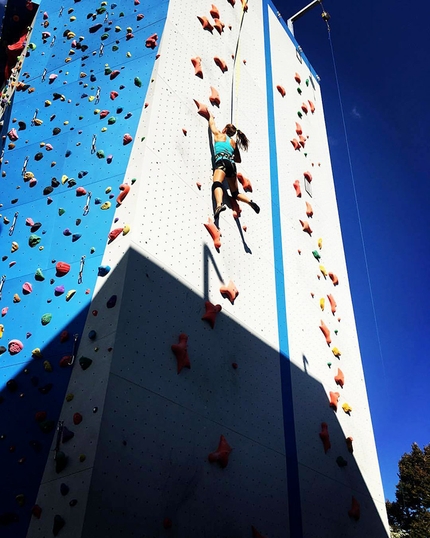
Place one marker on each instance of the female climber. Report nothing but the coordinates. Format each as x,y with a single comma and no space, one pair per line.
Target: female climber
226,155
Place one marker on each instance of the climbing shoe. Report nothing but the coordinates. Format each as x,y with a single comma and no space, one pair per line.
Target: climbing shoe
219,209
254,206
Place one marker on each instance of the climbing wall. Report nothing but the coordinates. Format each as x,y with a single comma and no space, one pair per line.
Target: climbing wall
171,375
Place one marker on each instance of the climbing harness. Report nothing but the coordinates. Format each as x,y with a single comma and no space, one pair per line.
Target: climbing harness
234,61
12,227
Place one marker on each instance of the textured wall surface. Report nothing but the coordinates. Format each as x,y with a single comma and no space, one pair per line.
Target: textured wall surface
138,464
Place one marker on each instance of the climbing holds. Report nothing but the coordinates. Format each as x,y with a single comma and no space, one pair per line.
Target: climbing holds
296,186
180,351
221,454
230,291
334,279
202,110
308,176
309,210
305,227
295,144
320,243
111,301
15,346
214,97
281,90
336,352
77,419
85,363
323,271
62,268
113,234
58,524
298,129
297,78
339,378
60,461
221,64
214,232
316,255
197,63
214,11
311,106
211,313
126,139
326,332
334,398
325,437
347,408
205,24
354,511
246,184
341,461
151,42
333,304
349,446
46,318
219,26
304,108
322,303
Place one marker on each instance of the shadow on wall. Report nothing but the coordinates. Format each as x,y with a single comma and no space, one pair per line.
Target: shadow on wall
151,475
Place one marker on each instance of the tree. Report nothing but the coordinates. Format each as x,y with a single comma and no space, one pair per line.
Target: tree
410,512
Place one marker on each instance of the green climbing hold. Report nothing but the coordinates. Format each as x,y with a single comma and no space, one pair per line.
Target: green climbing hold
100,154
137,82
38,275
85,363
307,82
104,36
115,48
341,461
299,114
34,240
111,120
316,255
299,91
60,461
47,426
46,318
61,211
133,181
100,10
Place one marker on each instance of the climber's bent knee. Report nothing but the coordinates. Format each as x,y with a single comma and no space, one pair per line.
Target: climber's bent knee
216,185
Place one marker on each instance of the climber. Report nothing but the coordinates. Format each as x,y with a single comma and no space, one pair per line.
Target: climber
226,155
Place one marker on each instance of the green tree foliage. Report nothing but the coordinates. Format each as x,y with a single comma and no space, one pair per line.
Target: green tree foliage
410,512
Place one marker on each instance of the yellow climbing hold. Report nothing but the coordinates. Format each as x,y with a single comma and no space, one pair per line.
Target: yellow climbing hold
64,178
108,190
48,103
1,330
346,407
126,229
336,352
37,121
106,205
103,129
37,353
70,294
71,35
323,270
91,98
320,243
47,366
322,303
66,122
69,397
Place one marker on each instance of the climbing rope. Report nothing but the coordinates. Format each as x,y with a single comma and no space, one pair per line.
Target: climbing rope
326,18
244,7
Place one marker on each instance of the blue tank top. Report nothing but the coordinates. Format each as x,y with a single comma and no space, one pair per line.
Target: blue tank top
224,150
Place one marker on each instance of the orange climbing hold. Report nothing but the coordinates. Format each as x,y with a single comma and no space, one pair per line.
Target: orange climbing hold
296,186
299,129
215,233
202,110
333,304
295,143
221,454
230,291
297,78
325,437
304,108
180,351
219,26
214,97
281,90
221,64
197,63
354,511
245,5
305,227
214,12
334,279
308,176
302,141
231,2
246,184
124,188
211,313
205,24
334,398
309,210
311,106
339,378
326,332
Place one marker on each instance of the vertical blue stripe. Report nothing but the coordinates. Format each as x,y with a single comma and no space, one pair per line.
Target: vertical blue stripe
293,487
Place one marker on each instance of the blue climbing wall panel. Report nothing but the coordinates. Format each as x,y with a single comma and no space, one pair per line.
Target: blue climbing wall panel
72,123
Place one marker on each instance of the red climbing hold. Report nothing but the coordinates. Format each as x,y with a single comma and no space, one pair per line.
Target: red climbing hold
229,291
298,129
231,2
80,191
326,332
325,437
167,523
333,304
297,78
305,227
311,106
180,351
281,90
334,279
334,398
151,42
62,268
126,139
113,95
214,12
77,418
124,188
205,24
197,63
295,143
113,234
221,64
304,108
36,511
215,233
221,454
349,446
339,378
214,97
246,184
296,186
308,176
211,312
354,511
202,110
309,210
302,141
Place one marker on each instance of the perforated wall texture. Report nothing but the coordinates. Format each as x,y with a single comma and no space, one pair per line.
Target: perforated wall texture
135,405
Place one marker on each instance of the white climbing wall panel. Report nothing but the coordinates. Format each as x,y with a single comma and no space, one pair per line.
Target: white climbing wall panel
138,463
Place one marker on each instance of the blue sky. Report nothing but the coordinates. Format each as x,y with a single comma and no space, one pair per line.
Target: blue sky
381,54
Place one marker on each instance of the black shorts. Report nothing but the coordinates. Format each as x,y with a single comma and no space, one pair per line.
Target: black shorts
227,166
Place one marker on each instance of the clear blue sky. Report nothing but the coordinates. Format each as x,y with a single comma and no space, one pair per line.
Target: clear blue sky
381,51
